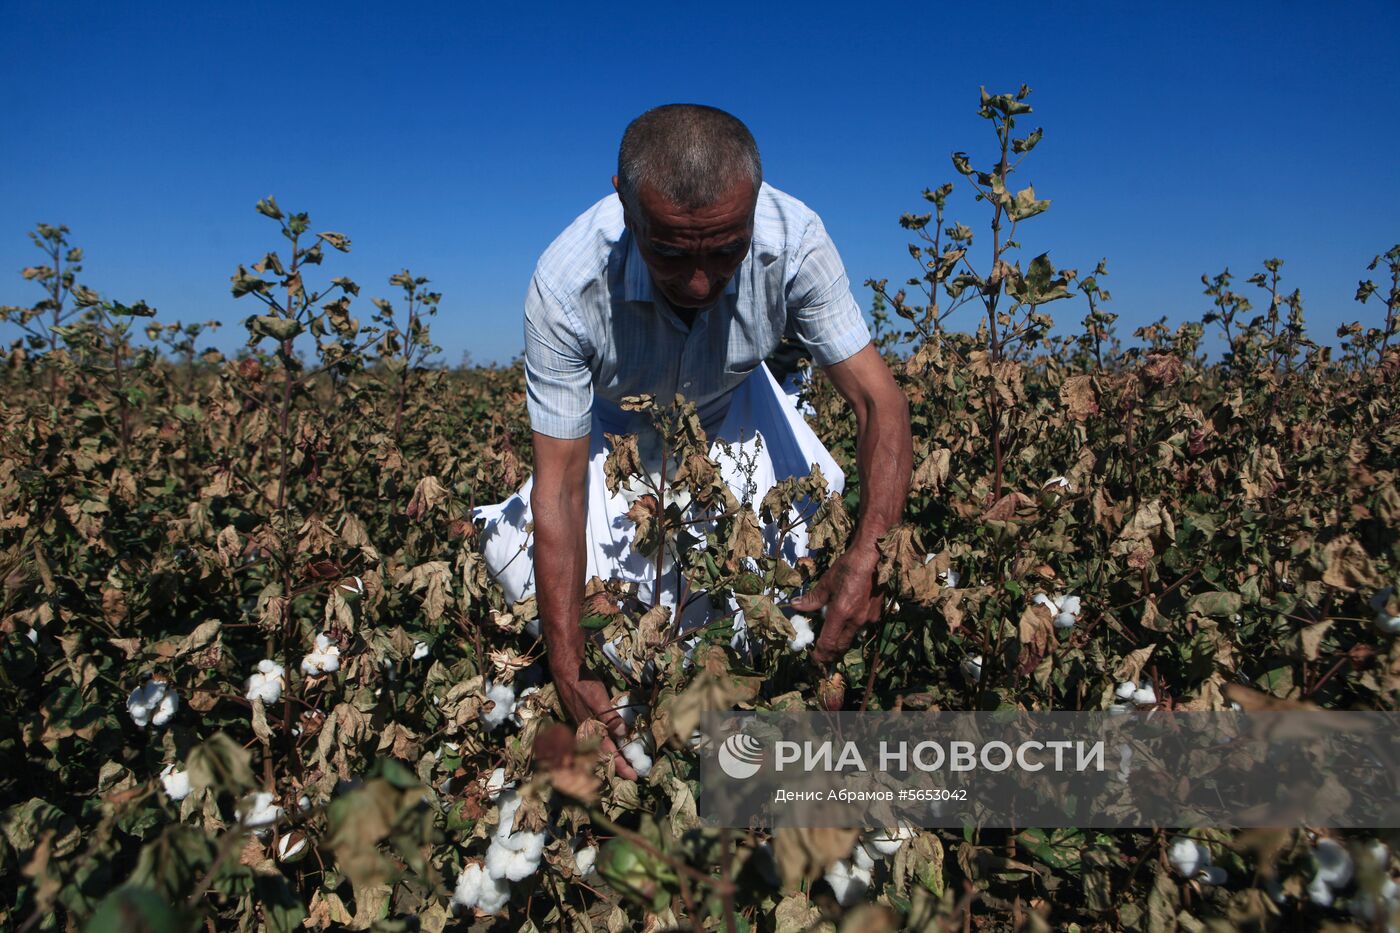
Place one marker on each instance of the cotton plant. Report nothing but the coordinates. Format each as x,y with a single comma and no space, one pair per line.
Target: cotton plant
292,846
1064,608
153,703
513,855
325,659
421,649
948,578
267,682
175,782
477,890
1191,860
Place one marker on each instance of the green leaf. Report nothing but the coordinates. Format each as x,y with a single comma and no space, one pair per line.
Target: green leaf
1218,604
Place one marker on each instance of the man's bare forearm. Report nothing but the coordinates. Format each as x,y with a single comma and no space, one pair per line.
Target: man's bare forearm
885,462
558,515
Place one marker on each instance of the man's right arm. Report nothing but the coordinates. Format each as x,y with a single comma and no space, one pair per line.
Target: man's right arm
558,505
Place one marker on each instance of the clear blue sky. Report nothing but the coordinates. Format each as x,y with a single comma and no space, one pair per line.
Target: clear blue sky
459,140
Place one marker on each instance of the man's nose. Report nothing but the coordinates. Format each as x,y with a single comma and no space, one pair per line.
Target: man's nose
698,283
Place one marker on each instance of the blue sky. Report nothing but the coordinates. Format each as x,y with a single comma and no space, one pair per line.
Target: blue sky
459,140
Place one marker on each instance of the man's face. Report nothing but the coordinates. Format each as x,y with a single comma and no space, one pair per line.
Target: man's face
692,252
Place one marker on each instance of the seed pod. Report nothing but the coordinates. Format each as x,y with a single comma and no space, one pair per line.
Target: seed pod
350,589
293,846
831,694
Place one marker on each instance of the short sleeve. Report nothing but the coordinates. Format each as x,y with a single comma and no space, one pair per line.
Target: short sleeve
558,380
822,312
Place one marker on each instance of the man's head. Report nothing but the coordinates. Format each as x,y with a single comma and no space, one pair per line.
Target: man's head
688,176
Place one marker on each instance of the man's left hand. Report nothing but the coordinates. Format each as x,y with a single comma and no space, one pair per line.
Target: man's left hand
847,590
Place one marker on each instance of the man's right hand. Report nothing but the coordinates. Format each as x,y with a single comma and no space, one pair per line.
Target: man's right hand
585,697
558,503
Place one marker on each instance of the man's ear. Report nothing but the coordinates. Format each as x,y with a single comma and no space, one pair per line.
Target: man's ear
626,211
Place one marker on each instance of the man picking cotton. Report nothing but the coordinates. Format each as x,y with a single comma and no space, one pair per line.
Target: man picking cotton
684,281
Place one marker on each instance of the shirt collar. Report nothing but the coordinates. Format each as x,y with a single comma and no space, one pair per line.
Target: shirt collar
636,278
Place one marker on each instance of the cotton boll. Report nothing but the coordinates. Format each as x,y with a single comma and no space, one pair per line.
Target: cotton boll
153,703
804,636
291,846
1319,892
32,635
1334,864
972,667
1188,856
636,754
325,659
1125,690
514,857
585,860
1145,696
1212,874
176,783
503,698
420,650
628,710
1387,623
949,578
861,858
267,683
495,783
1042,600
888,842
477,890
258,812
847,882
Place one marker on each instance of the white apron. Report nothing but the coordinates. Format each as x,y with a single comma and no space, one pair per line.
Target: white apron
789,448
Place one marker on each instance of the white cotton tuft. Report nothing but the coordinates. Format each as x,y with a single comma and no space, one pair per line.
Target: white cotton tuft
325,659
1212,874
627,710
420,650
847,882
495,783
972,667
949,578
504,699
176,783
1334,865
513,855
585,860
1125,690
267,683
1319,892
1145,695
153,703
635,752
257,812
804,636
889,841
861,858
477,890
1188,856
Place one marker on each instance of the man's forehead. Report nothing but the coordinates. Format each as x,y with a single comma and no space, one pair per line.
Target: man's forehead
734,210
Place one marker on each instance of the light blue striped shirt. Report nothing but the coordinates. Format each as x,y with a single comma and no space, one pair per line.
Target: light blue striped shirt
595,331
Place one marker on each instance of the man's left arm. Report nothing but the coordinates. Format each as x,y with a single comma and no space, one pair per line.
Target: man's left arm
884,460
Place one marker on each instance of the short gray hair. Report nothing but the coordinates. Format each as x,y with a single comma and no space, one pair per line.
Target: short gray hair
690,154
